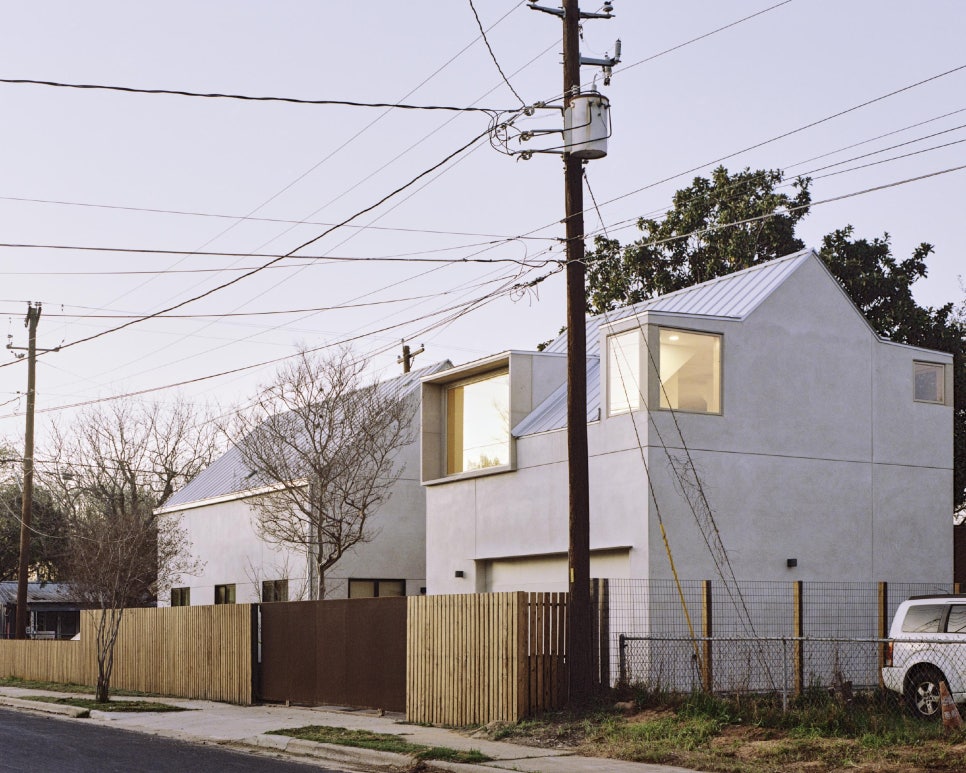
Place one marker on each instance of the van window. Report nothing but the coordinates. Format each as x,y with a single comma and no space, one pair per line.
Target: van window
923,618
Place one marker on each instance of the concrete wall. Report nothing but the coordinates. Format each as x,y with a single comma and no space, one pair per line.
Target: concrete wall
820,454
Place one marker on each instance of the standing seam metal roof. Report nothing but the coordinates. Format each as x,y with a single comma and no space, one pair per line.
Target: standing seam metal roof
733,296
228,474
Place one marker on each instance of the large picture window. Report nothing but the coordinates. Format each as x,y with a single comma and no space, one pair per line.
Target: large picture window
929,379
478,423
690,368
624,372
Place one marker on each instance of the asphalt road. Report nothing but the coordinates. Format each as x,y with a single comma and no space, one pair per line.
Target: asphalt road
29,742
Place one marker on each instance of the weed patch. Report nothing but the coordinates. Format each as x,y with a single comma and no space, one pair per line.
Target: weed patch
386,742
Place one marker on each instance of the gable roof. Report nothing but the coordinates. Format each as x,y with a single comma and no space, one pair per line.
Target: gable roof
228,477
733,296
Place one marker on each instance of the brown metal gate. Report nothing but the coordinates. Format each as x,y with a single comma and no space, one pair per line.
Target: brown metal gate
346,652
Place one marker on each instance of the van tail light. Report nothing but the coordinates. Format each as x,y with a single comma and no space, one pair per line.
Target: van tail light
887,654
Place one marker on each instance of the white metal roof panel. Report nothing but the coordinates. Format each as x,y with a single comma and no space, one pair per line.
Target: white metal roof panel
228,474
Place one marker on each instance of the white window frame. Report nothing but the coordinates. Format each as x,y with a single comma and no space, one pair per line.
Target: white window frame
720,375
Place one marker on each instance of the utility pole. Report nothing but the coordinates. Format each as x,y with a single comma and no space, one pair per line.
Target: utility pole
406,360
579,631
580,650
33,317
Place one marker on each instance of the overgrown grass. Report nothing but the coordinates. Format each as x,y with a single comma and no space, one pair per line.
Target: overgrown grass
32,684
751,734
89,703
385,742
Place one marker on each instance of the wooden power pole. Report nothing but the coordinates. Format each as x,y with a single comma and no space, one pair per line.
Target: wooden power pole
579,630
33,317
580,634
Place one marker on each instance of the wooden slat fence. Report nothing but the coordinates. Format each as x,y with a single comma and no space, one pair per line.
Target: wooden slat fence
474,659
183,652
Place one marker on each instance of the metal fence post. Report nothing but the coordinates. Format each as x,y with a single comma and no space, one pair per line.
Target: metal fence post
622,657
883,625
784,675
707,628
799,624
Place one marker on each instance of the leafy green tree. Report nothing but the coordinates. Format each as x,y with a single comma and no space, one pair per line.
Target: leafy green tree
730,222
695,242
48,536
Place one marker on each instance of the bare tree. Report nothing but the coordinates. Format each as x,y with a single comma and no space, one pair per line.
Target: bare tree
109,471
324,442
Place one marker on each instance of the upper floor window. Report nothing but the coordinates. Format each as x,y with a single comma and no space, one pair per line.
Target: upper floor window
929,379
624,372
690,368
478,423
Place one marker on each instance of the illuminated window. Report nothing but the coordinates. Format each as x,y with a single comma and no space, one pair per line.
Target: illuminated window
929,379
690,367
478,423
367,589
624,372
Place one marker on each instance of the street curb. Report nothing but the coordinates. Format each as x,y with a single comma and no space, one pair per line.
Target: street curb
326,751
47,708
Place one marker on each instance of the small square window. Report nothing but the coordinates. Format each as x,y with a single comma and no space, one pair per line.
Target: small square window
225,594
274,590
929,382
181,597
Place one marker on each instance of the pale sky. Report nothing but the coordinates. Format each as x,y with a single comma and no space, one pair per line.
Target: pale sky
214,162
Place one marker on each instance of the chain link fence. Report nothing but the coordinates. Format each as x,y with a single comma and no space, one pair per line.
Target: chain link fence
791,640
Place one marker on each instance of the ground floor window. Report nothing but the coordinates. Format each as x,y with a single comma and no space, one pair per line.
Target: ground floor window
181,597
274,590
367,589
225,594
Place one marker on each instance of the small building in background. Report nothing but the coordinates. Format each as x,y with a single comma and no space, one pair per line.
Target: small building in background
54,610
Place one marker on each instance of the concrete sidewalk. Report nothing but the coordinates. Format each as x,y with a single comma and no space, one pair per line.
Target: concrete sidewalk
250,726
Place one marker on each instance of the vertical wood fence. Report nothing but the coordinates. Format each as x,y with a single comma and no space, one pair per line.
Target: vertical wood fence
183,652
473,659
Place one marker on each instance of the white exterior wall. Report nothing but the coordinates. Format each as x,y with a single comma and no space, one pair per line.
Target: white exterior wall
224,537
820,454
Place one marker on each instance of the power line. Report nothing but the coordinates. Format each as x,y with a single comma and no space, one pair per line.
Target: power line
260,219
460,309
493,55
222,286
275,257
249,98
701,37
789,133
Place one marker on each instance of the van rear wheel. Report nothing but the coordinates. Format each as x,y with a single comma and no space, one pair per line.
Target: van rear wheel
922,692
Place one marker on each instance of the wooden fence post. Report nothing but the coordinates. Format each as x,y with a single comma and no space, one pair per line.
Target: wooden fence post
707,630
799,633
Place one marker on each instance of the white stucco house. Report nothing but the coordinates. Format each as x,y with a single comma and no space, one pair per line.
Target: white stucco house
216,512
823,450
